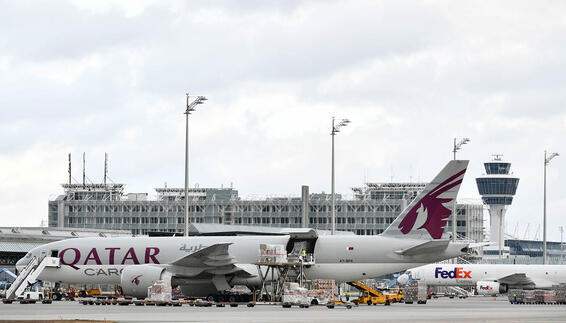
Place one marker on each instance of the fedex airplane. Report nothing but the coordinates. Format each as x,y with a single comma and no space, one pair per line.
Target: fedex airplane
488,279
202,265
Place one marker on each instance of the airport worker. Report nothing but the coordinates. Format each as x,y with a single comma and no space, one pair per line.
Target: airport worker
347,296
515,298
304,253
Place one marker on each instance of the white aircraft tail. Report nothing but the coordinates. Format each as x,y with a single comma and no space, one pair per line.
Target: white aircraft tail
426,216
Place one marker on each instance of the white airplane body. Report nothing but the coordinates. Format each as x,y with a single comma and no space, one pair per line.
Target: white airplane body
344,258
204,264
488,278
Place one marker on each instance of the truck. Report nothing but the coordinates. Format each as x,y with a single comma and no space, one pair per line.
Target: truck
416,291
370,298
32,295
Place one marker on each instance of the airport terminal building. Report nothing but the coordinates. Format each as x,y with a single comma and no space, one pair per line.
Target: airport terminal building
370,211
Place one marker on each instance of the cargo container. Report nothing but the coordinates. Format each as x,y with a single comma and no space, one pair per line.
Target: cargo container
416,291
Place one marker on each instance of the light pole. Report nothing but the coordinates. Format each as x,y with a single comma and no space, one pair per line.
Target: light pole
561,228
335,129
457,146
547,160
190,108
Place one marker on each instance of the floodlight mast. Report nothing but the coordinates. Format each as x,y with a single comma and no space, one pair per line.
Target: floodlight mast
190,108
547,159
335,129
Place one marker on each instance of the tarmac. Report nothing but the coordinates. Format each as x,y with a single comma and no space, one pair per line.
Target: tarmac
474,309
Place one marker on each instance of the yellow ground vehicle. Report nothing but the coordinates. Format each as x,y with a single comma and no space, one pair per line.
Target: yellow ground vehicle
366,298
371,296
89,292
395,295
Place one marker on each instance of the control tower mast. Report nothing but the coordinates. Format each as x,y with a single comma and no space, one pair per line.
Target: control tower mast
497,188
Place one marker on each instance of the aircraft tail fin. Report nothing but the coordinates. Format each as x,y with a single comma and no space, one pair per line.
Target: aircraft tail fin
426,216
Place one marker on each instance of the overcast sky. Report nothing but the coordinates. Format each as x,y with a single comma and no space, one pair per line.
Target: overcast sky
96,76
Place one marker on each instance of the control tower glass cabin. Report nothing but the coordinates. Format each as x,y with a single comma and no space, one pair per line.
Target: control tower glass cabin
497,188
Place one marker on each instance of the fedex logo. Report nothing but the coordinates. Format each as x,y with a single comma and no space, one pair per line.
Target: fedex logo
486,287
458,272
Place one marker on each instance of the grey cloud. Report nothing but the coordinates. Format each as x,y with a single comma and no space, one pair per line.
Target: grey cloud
411,76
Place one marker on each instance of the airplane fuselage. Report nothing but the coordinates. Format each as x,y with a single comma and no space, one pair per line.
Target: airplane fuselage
469,274
339,257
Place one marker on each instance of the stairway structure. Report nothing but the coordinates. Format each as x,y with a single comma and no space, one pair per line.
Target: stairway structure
29,275
460,291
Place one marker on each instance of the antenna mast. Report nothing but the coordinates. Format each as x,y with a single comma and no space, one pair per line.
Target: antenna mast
69,168
84,174
497,157
105,166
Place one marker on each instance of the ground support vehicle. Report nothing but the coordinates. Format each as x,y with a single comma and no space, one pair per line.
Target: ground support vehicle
237,294
32,295
334,304
371,296
89,292
395,297
537,296
369,299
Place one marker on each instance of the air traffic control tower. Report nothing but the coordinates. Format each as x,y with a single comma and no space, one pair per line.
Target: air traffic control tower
497,188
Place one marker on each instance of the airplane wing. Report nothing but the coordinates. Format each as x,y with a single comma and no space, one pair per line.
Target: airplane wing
522,280
215,260
213,256
516,279
542,283
425,247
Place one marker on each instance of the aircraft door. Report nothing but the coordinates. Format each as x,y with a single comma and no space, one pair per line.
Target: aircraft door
301,250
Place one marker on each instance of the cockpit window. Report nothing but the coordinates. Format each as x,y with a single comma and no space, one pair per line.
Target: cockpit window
28,255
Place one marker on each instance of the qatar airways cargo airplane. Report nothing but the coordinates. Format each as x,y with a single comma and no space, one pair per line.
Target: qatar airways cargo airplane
202,265
488,279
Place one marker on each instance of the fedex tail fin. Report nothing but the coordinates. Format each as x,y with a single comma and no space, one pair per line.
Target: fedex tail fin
426,216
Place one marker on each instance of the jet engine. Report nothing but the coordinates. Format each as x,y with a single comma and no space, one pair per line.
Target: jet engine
136,279
490,288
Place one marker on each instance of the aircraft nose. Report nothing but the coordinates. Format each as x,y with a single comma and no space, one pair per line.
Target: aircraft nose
20,265
403,279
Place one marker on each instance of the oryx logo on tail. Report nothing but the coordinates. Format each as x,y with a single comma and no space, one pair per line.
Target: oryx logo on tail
136,280
429,212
